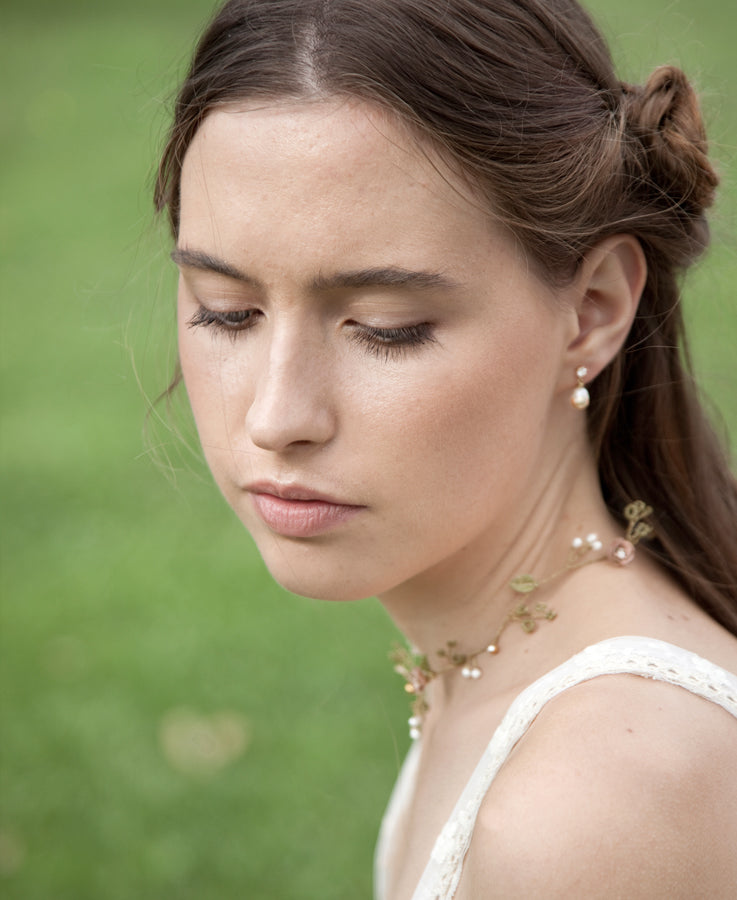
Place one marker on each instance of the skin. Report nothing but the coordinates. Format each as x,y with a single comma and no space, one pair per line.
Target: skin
459,453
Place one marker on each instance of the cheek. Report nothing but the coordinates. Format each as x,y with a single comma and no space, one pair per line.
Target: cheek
481,410
215,388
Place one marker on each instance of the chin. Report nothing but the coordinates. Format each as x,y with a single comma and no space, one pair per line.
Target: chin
318,588
310,574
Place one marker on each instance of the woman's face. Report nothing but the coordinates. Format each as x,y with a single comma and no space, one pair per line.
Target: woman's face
374,371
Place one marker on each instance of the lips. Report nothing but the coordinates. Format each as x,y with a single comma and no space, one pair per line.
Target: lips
295,511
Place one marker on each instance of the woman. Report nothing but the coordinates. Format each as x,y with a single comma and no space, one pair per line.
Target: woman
429,329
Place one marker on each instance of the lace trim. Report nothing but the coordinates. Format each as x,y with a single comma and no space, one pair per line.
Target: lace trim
647,657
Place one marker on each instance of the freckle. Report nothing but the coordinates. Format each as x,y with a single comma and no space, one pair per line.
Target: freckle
672,618
685,617
630,731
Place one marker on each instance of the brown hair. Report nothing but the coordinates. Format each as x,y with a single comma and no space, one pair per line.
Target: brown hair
522,95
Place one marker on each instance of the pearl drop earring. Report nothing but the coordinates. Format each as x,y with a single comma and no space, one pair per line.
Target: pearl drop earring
580,397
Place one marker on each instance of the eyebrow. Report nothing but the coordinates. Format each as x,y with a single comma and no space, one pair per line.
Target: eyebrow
197,259
380,276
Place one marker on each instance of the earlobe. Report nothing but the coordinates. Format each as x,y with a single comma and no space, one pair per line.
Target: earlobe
607,293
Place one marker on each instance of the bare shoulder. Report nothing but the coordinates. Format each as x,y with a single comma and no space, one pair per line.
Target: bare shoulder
623,787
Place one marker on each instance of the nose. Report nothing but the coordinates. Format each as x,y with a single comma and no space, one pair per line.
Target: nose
293,402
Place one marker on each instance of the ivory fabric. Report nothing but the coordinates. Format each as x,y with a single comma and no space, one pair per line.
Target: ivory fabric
642,656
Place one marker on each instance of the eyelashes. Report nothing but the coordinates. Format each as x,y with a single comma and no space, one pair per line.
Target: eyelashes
380,342
226,322
389,342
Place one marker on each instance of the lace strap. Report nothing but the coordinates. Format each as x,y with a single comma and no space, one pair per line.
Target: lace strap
647,657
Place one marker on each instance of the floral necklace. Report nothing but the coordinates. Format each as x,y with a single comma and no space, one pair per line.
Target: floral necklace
415,667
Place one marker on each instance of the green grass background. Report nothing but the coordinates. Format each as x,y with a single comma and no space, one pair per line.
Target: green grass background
127,593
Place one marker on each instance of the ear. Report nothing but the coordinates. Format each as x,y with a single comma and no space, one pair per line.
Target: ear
605,296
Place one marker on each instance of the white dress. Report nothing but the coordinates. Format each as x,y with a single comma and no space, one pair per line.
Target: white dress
621,655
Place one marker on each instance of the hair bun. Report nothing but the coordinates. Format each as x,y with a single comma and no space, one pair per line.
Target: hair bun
665,117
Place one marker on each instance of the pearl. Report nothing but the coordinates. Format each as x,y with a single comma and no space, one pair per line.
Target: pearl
414,721
475,673
580,397
466,672
414,733
591,538
620,553
597,545
582,372
577,543
492,648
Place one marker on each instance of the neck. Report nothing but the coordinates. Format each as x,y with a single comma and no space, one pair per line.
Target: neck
467,598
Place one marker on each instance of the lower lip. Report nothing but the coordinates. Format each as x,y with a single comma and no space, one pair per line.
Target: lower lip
301,518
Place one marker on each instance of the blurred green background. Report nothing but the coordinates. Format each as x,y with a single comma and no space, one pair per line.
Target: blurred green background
173,724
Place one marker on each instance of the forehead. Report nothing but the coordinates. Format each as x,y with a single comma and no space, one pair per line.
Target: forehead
304,159
329,138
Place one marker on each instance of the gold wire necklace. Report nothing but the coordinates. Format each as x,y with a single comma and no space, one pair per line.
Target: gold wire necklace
415,667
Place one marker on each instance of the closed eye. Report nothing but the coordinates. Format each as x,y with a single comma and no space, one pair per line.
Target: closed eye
390,342
232,321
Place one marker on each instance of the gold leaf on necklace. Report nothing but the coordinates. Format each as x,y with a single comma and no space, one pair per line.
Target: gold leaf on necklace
524,584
